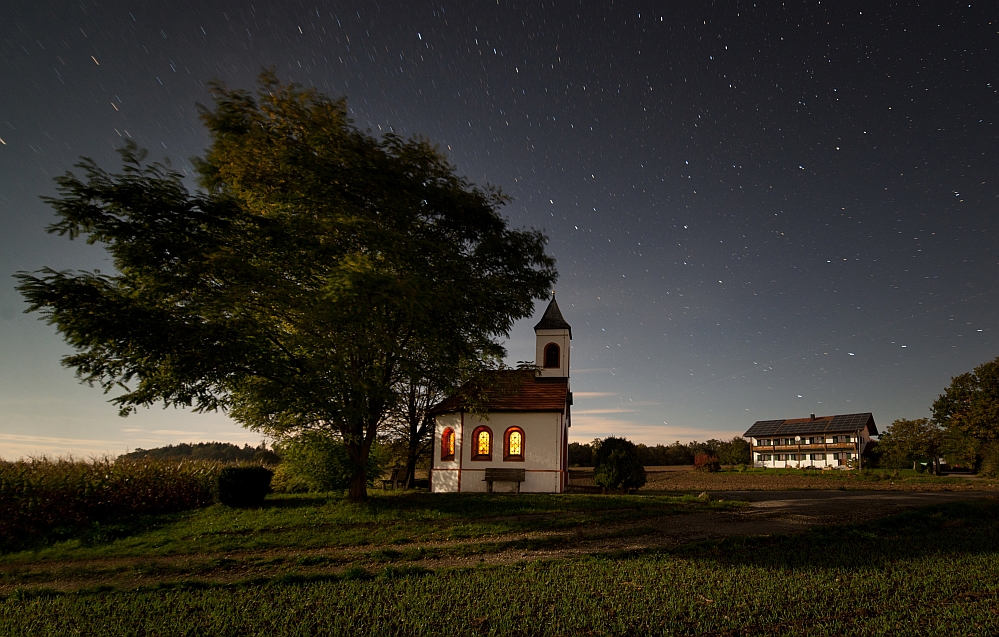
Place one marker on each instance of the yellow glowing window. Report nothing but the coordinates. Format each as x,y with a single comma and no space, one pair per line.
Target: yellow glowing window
516,442
447,444
483,443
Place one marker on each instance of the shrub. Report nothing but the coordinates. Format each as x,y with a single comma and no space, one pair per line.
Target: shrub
618,465
319,460
243,486
284,481
704,462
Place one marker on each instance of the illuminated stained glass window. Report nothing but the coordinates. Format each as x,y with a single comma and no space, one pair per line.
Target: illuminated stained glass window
513,444
482,439
516,438
447,444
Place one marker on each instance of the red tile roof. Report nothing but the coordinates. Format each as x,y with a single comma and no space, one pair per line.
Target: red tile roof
509,390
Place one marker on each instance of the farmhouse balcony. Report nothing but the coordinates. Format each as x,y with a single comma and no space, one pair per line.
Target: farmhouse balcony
832,446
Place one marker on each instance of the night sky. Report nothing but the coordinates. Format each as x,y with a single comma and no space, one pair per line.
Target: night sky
759,211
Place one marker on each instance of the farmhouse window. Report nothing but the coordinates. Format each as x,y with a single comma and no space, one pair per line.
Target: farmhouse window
552,355
482,440
792,456
513,444
818,456
447,444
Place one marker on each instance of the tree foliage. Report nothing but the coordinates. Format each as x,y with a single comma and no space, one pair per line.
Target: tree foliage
728,452
971,403
905,441
218,451
317,268
968,410
319,461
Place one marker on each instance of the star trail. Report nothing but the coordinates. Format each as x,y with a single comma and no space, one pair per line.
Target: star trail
759,210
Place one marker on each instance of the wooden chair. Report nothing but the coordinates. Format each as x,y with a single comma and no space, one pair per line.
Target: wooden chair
503,475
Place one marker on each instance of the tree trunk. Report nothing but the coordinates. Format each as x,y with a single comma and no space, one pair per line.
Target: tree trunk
358,491
411,465
358,486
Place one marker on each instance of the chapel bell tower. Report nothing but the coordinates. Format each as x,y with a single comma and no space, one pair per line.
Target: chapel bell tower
553,336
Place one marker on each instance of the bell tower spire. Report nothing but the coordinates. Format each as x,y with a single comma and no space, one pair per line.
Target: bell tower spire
553,334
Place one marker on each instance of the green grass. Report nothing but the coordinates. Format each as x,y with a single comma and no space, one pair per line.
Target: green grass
865,475
309,521
931,571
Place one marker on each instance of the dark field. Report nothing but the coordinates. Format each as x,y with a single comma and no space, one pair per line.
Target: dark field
534,564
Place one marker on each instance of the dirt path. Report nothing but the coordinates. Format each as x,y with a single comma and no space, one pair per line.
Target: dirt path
767,513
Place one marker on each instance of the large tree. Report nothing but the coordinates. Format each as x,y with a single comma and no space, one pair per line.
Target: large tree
315,267
409,422
971,403
969,410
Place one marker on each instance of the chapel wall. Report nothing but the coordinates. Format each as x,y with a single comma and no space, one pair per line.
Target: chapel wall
542,440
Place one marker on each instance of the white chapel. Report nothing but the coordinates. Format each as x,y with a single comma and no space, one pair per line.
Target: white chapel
519,439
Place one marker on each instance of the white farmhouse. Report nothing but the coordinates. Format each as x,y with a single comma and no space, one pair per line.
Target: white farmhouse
519,440
819,443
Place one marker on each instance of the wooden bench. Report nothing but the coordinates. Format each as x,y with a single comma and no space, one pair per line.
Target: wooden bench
503,475
397,478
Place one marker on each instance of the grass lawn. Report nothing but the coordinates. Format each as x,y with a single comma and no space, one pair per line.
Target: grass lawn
910,476
931,571
685,479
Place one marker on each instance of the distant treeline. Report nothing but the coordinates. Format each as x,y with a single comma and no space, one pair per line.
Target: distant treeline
218,451
731,452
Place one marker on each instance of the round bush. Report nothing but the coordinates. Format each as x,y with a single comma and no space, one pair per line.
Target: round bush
243,486
704,462
617,465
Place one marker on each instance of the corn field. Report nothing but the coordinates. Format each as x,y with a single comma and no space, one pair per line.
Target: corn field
41,494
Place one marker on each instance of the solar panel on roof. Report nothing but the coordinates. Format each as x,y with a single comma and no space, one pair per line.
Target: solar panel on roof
763,428
842,422
850,421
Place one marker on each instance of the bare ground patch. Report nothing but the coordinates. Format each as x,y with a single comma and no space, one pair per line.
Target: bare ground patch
764,513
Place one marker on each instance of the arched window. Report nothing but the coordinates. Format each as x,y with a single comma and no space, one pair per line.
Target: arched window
482,444
552,355
447,444
513,444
